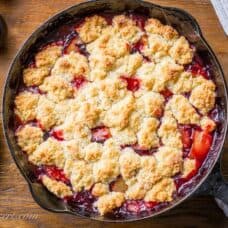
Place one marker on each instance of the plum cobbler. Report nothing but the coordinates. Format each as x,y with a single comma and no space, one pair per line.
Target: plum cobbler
117,115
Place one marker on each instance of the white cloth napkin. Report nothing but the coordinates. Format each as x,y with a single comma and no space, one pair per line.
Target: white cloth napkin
221,9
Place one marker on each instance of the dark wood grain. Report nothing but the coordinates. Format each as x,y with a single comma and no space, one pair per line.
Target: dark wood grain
22,17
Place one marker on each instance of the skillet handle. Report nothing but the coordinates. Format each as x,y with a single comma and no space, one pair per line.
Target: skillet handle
216,186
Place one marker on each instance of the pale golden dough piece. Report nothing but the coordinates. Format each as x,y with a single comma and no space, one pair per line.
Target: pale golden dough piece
111,150
148,175
70,66
118,115
110,91
48,153
81,176
145,74
68,166
127,65
56,187
168,131
25,105
105,170
113,89
147,136
109,44
87,93
154,26
62,109
207,124
100,189
91,28
129,163
156,77
93,152
148,178
168,70
100,64
181,51
165,71
108,202
73,129
136,191
151,103
203,95
29,137
135,121
73,149
182,110
169,161
161,191
148,163
164,74
57,88
48,56
155,47
116,47
82,111
181,84
104,52
33,76
188,166
88,114
200,80
127,28
203,99
46,114
125,136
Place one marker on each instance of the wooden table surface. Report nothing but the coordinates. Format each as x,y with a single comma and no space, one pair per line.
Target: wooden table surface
17,207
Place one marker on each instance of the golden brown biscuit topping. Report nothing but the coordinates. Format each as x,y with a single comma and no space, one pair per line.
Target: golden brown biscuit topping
129,111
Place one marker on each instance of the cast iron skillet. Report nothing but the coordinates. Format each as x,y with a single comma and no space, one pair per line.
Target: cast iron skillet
187,26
